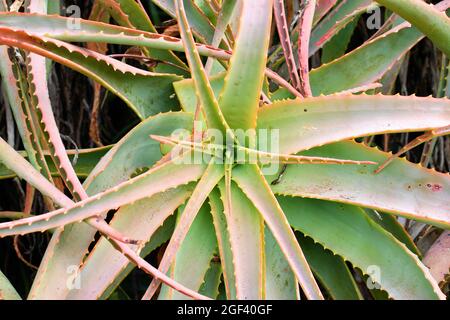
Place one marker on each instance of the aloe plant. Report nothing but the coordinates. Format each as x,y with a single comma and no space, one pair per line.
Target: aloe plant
260,186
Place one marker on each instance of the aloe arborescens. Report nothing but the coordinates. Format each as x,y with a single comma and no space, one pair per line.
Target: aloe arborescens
264,234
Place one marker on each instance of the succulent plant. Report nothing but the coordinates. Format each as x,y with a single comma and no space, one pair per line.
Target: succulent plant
263,187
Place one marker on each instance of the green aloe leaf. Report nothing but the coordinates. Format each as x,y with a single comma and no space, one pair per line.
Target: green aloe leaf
14,99
211,176
210,286
331,271
188,268
307,123
129,83
365,244
337,46
281,283
403,188
246,236
239,99
140,221
249,178
390,223
159,237
426,18
367,63
84,161
132,155
223,241
7,291
55,27
208,102
311,122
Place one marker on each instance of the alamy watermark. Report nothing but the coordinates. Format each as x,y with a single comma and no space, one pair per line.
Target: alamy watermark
373,22
374,280
262,147
73,12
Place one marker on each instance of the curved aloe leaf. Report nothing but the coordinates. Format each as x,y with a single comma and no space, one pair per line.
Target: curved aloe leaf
139,220
281,283
188,268
208,102
13,96
26,171
210,286
128,83
365,244
246,235
207,182
132,155
312,122
250,180
223,241
426,18
239,99
368,63
167,175
7,291
391,224
40,100
338,45
342,14
55,27
404,188
316,121
331,271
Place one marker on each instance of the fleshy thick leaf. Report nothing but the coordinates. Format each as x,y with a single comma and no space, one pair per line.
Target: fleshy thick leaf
168,175
7,291
132,155
307,123
246,235
239,99
281,283
331,271
223,241
193,258
403,188
210,178
55,27
250,180
129,83
208,102
365,244
426,18
139,220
